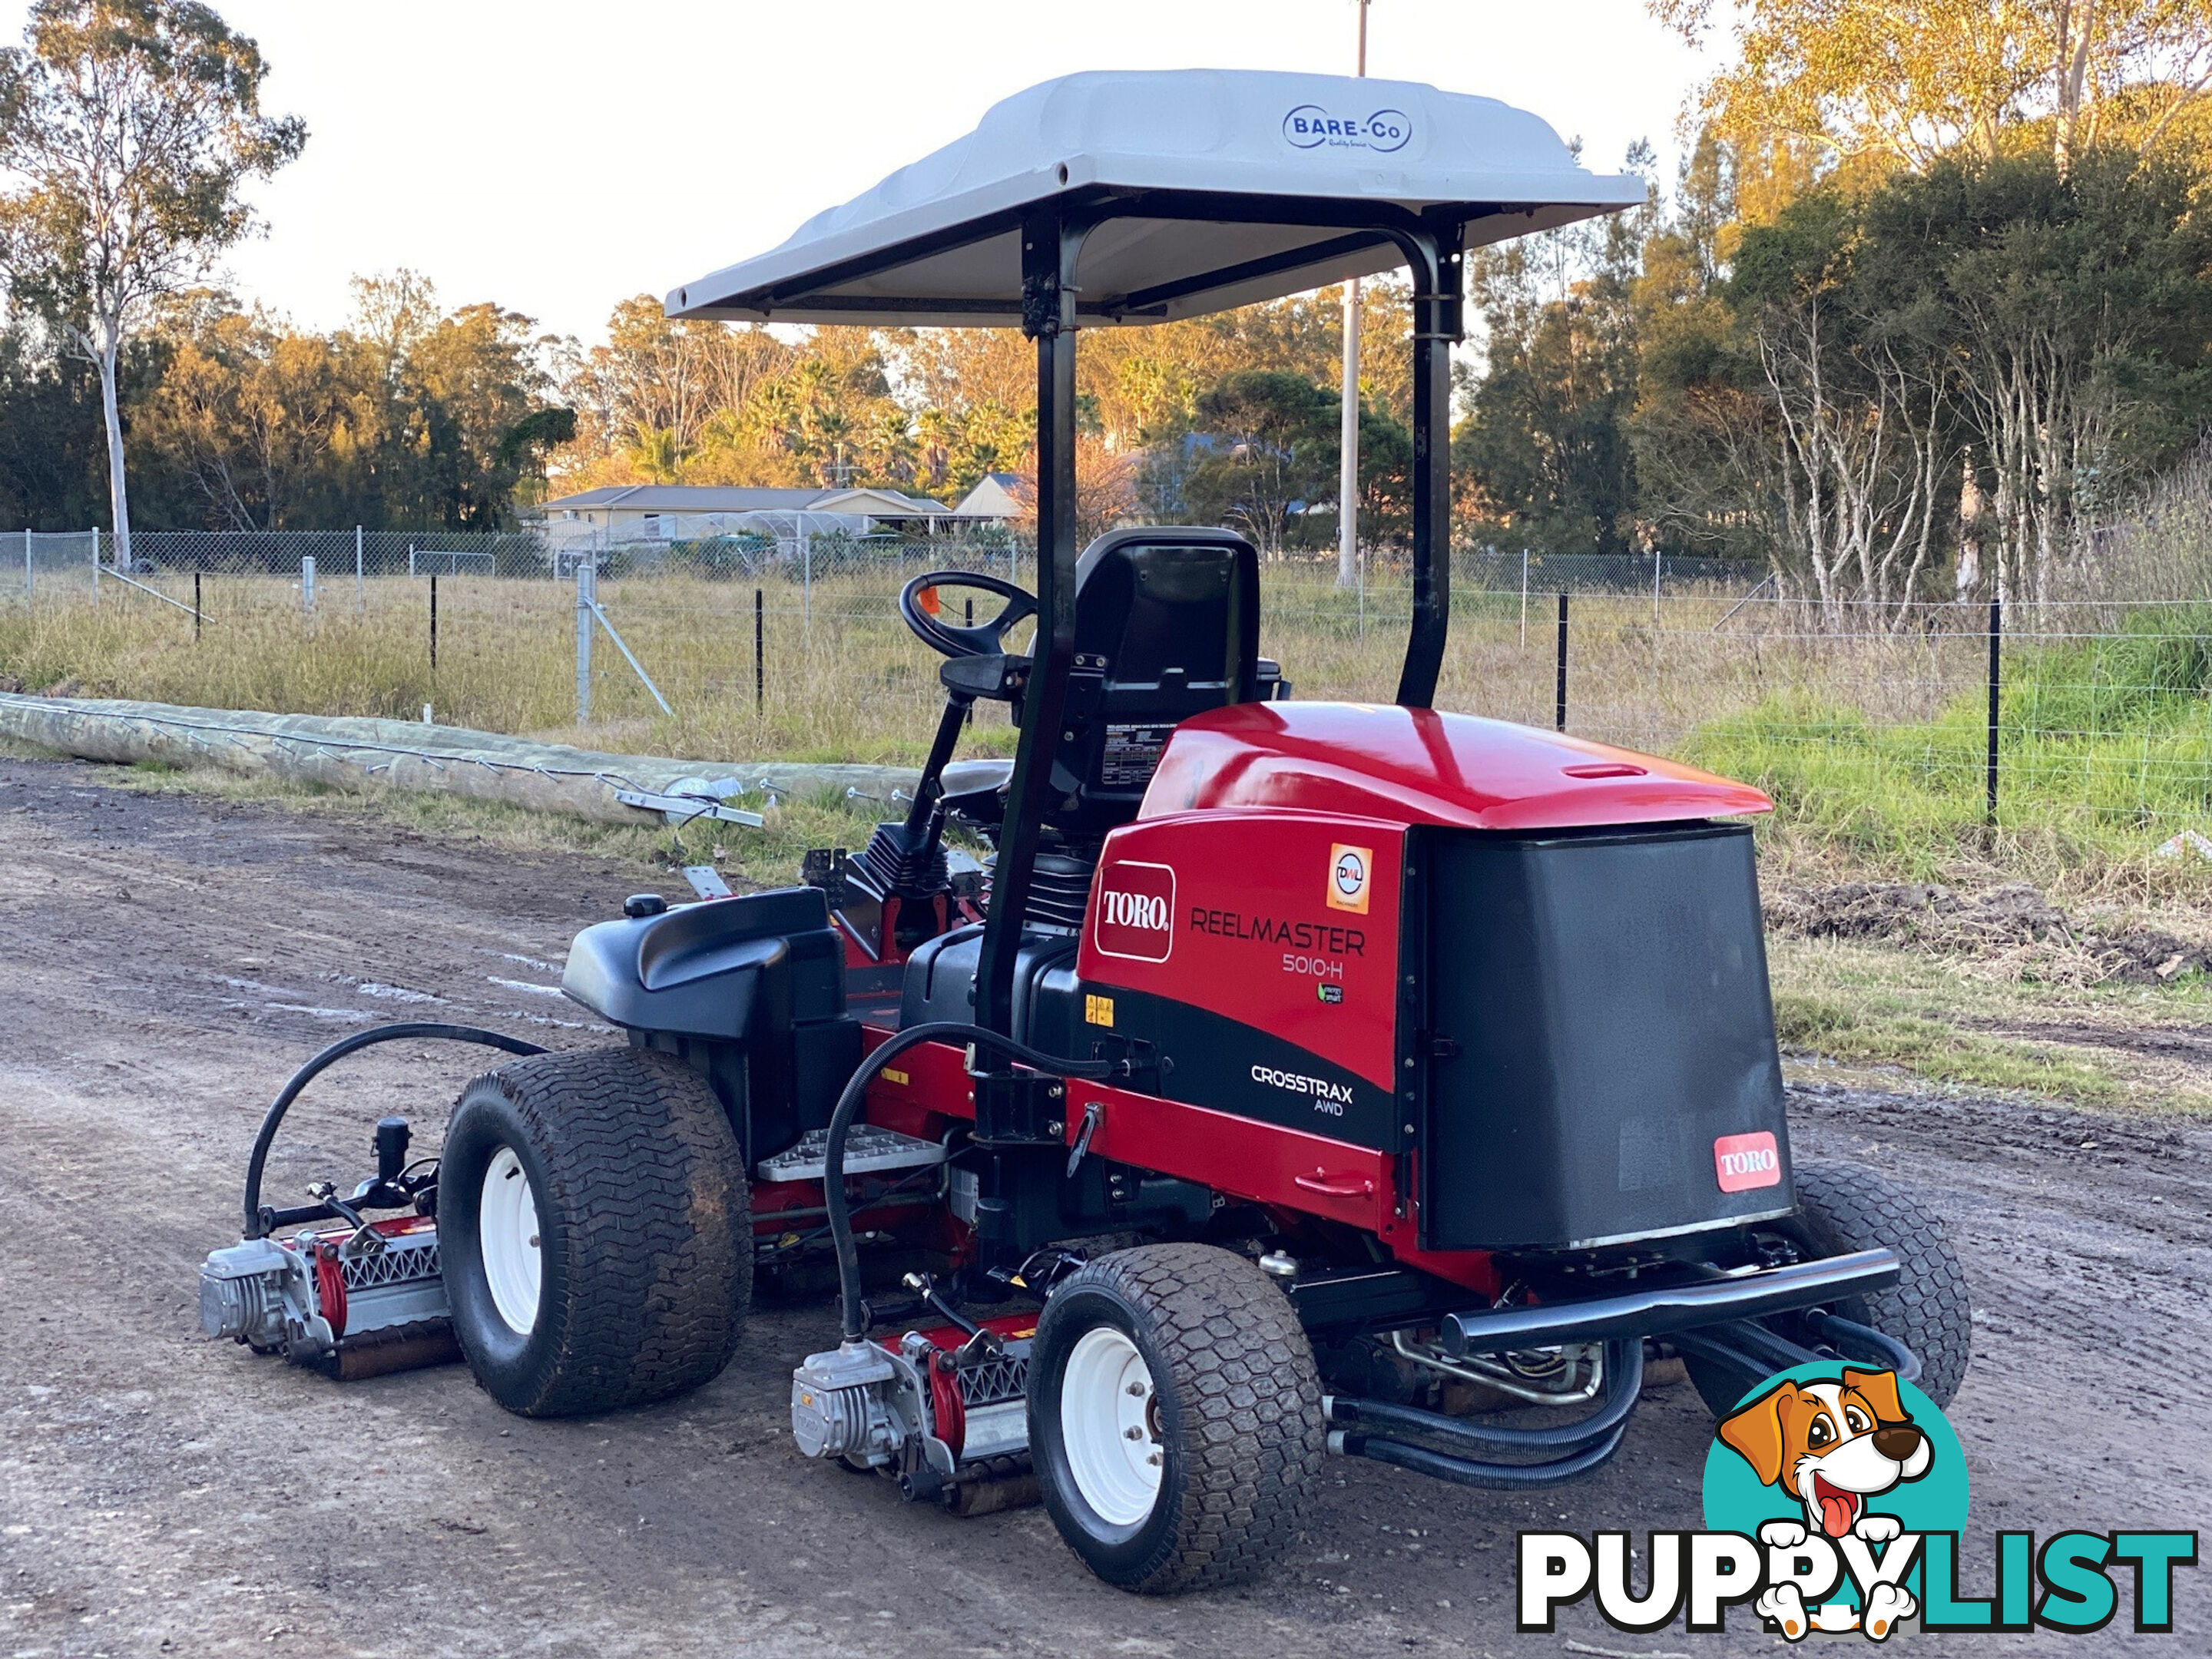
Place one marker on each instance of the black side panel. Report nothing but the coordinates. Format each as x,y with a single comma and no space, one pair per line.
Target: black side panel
1608,996
941,977
824,1055
1226,1065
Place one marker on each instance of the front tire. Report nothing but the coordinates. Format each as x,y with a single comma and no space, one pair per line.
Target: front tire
1847,1207
595,1229
1175,1417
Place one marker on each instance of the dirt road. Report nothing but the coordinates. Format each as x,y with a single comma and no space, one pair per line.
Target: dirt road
165,960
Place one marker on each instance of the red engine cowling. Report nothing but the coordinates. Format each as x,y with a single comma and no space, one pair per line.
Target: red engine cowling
1523,973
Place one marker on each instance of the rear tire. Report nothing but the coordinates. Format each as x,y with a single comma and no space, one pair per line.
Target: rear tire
1175,1417
596,1231
1844,1208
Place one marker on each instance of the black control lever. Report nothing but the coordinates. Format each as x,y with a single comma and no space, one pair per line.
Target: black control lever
983,1343
366,1240
1093,1115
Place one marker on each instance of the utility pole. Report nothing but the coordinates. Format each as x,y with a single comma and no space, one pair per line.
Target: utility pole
1347,498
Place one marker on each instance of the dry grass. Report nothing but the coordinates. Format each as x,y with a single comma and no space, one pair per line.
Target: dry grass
845,680
1871,746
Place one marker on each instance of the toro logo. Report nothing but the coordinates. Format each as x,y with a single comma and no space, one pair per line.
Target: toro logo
1743,1162
1136,912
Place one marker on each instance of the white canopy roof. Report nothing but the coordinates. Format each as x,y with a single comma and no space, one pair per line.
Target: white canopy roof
939,242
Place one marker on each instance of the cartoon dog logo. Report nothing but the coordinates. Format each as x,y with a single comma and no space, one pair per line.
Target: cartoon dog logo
1832,1446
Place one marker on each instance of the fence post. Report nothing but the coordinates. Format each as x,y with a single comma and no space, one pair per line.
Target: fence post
805,577
360,594
27,561
1560,719
95,562
196,607
1996,682
587,572
760,654
434,622
1655,590
1524,599
308,581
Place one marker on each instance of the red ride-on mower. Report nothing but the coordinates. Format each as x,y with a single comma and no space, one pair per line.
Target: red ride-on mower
1312,1077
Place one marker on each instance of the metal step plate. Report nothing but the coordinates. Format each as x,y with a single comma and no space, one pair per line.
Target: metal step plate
866,1148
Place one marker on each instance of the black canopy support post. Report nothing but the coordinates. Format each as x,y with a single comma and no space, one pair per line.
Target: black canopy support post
1052,241
1437,259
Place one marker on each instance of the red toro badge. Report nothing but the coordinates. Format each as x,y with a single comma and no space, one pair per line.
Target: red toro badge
1743,1162
1136,911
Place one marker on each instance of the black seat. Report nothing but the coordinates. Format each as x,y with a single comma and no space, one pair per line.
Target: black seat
1167,625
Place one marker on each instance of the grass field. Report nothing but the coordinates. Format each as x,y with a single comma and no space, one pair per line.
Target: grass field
1873,744
1864,1014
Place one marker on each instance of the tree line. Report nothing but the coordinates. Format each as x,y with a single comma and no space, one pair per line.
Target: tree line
409,416
1930,295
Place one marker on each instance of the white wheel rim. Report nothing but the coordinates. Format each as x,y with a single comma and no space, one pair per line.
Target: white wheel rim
1110,1424
507,1235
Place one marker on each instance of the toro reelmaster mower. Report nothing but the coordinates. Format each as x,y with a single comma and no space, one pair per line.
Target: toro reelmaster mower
1306,1078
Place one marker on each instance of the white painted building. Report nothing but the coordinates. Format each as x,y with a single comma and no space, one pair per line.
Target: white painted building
621,514
997,498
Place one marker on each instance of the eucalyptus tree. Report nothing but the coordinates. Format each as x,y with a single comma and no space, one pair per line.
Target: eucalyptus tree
128,131
1908,82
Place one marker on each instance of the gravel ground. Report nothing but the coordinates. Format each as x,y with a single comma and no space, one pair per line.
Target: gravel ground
165,959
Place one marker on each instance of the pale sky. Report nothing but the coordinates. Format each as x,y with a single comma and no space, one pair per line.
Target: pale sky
556,156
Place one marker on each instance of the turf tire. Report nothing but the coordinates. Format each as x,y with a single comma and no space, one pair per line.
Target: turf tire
1239,1416
647,1263
1845,1207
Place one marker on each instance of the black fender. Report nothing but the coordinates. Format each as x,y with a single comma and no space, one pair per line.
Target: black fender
724,969
750,989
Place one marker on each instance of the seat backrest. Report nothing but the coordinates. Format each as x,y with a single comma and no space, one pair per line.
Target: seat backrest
1167,625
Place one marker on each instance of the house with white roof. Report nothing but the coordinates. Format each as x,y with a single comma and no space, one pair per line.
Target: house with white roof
997,498
618,514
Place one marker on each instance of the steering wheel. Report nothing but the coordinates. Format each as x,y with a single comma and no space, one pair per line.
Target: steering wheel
987,639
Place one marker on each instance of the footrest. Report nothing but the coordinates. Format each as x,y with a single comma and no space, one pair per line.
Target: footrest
866,1148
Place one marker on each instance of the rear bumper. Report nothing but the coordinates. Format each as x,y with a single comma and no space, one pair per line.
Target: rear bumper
1712,1319
1663,1310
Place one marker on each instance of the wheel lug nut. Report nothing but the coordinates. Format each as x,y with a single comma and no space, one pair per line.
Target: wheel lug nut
1154,1459
1138,1389
1133,1432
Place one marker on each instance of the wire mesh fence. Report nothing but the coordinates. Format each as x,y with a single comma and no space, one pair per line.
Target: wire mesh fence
550,551
1876,724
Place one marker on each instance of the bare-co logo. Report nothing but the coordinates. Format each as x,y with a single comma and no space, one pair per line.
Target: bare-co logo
1311,127
1349,868
1136,912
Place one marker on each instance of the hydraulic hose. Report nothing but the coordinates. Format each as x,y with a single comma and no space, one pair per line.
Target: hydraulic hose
852,1312
274,1117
